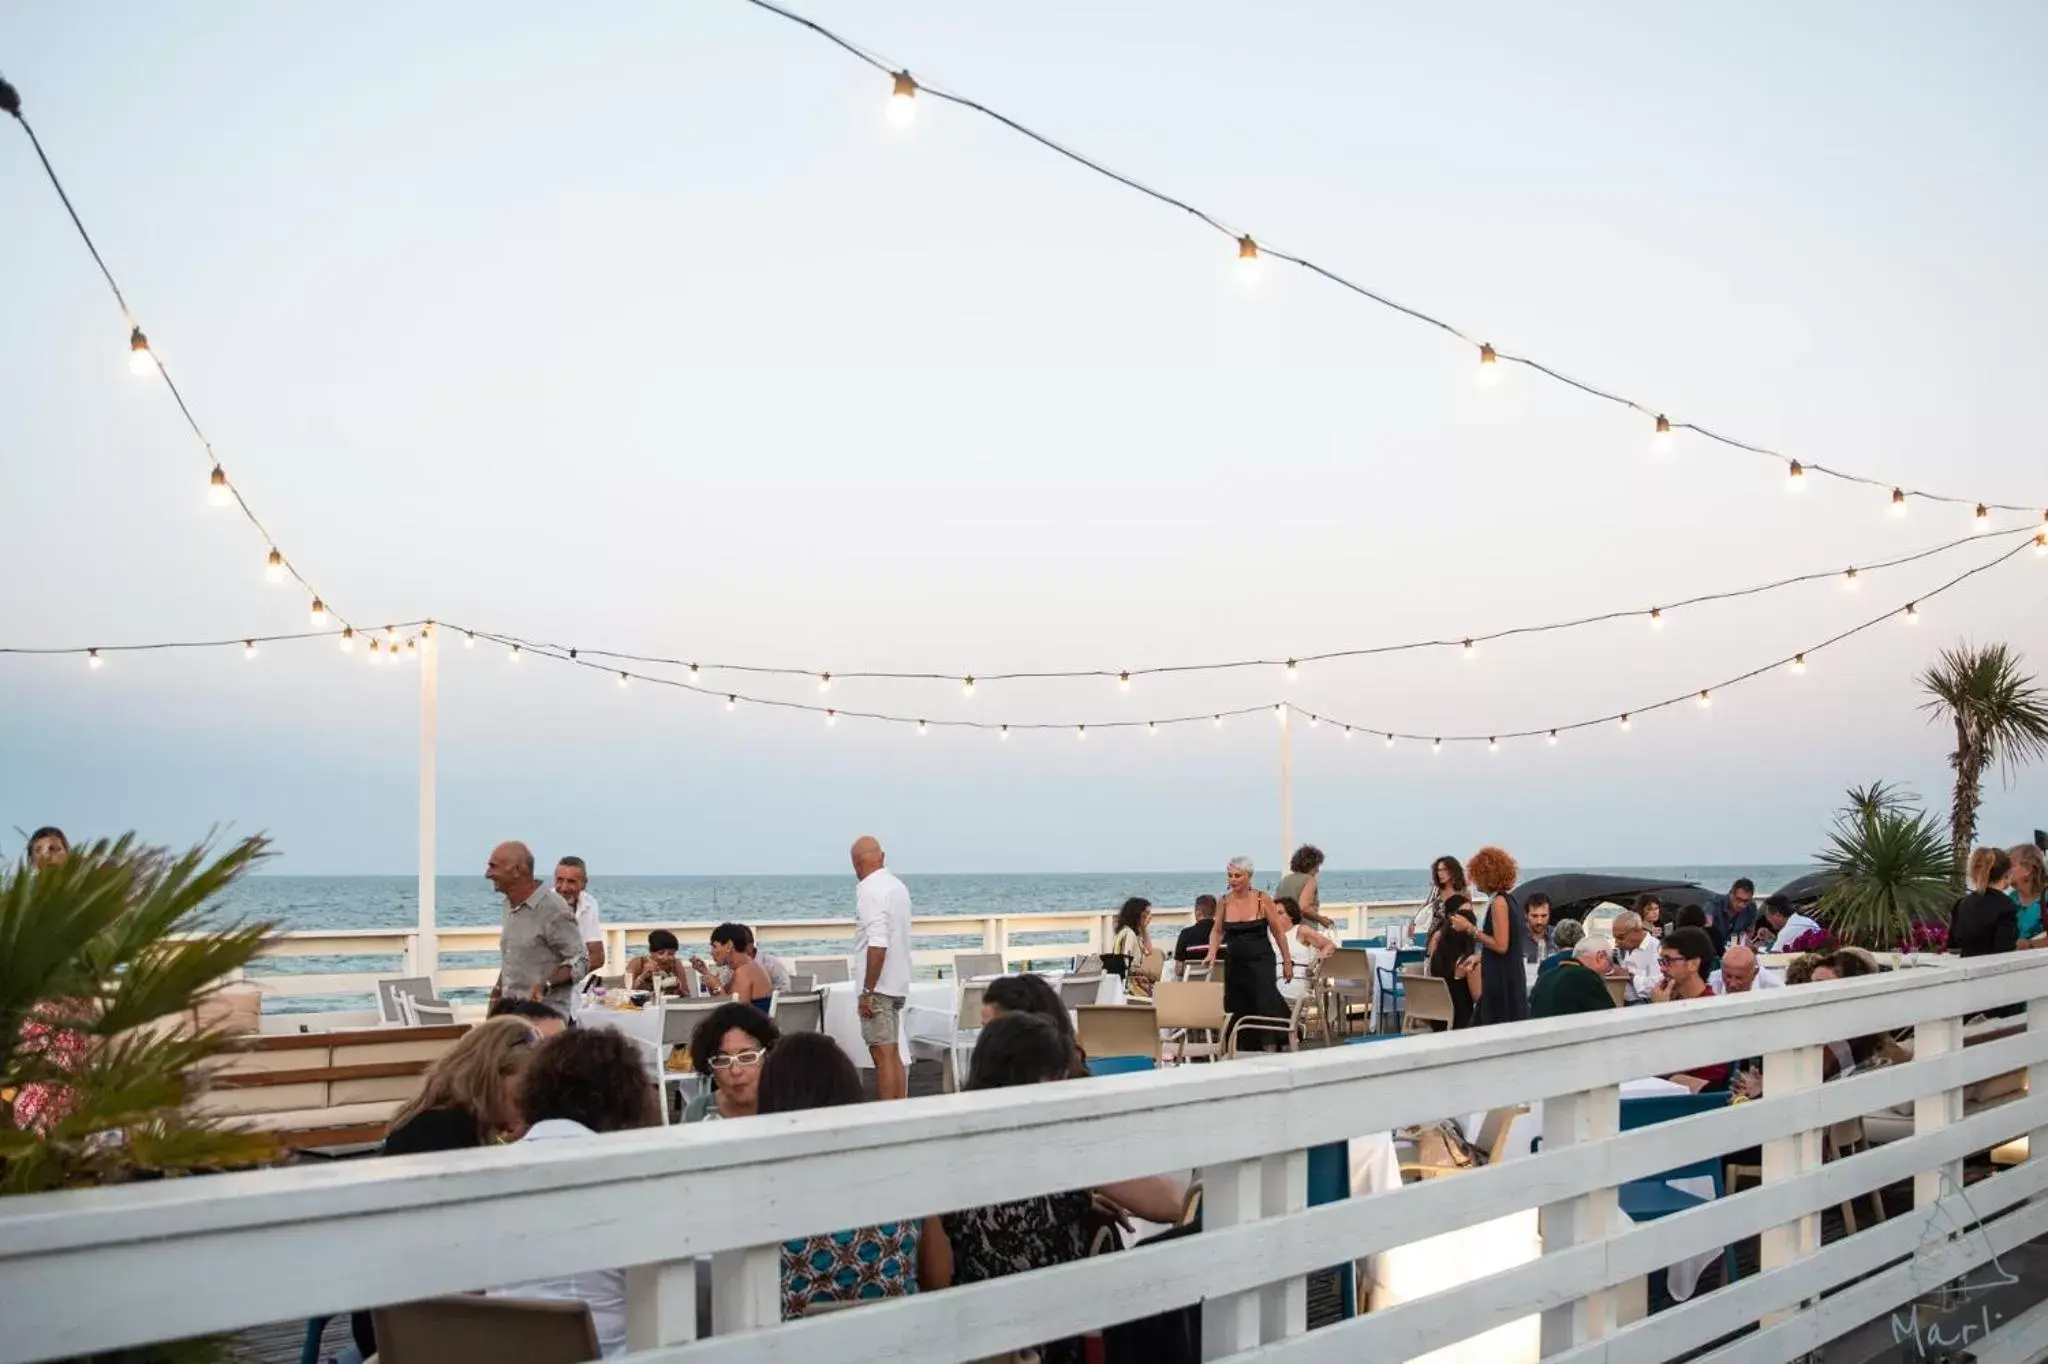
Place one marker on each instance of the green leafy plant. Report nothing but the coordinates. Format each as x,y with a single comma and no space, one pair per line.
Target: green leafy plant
2000,719
1890,867
103,960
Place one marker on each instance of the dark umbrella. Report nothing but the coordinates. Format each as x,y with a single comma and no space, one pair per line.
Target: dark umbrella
1808,888
1573,892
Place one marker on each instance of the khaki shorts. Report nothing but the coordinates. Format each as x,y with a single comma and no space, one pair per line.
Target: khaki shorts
878,1029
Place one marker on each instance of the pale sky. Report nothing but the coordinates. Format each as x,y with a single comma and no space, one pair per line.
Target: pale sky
640,327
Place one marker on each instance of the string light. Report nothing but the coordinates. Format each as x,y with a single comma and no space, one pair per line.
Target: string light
1152,728
318,613
348,638
1799,665
623,680
1553,737
831,718
249,648
1624,720
732,703
412,653
141,359
1489,364
1662,441
1492,744
93,659
693,670
903,101
512,657
967,685
469,639
1849,580
1656,618
1390,741
1437,746
1004,734
824,682
1080,731
1898,502
376,651
1280,713
1247,256
1293,671
1471,650
1313,721
1795,477
1219,721
1912,613
1248,250
217,490
1706,700
273,567
922,727
1982,521
2041,542
1123,681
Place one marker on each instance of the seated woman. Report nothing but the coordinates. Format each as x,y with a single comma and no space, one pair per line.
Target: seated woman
660,962
809,1070
977,1244
1986,920
1033,994
739,973
587,1080
1566,937
1133,942
727,1049
1454,959
1305,946
470,1097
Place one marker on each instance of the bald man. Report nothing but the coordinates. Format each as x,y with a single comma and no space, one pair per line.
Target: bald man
881,952
1741,973
540,951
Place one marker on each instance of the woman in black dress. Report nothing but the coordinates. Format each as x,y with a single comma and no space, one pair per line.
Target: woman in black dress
1251,933
1504,985
1452,960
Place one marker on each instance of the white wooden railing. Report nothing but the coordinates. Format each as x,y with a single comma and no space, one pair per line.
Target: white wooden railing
101,1269
1019,937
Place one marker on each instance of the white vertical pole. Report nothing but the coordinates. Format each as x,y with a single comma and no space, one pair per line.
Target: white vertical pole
1286,785
427,943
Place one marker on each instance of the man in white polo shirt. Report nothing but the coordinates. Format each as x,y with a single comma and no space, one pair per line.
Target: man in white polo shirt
881,952
572,880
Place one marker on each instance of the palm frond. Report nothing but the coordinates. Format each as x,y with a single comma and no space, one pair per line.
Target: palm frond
1892,867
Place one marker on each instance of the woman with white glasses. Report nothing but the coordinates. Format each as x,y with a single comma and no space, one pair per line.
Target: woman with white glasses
727,1049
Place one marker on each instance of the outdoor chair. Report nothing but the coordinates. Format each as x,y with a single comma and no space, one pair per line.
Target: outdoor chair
1117,1030
1185,1008
951,1040
1076,991
1426,999
795,1013
1388,1000
1289,1027
502,1330
1645,1200
389,990
969,965
426,1013
1120,1065
1090,965
825,970
1347,979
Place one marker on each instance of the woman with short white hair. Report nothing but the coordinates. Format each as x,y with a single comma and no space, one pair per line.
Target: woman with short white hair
1251,932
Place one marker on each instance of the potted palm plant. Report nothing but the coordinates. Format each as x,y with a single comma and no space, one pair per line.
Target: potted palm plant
1891,872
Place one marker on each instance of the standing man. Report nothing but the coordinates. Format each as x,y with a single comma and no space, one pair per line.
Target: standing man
572,880
882,951
540,955
1733,915
1538,945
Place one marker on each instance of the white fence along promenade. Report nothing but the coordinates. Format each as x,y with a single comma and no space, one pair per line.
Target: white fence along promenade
101,1269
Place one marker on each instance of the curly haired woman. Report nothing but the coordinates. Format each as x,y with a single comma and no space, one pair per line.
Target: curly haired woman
1504,986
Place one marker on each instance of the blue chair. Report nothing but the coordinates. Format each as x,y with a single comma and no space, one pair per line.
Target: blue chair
1645,1200
1389,997
1120,1065
1371,1037
316,1334
1380,941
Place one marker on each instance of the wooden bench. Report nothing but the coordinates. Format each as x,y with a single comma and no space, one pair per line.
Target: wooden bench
314,1090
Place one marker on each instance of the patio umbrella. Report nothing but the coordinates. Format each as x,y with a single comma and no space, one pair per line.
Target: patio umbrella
1580,890
1806,889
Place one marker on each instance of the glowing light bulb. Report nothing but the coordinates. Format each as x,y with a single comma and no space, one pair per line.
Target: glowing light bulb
624,679
732,703
469,639
1795,477
1293,671
1390,741
348,639
831,718
1123,681
1280,714
1492,745
693,670
412,650
824,681
1152,728
1898,502
1080,731
1912,613
1471,651
1706,699
903,101
922,726
1489,365
217,490
1624,722
1003,733
1656,618
1661,442
93,659
376,653
273,567
1849,580
2041,542
1248,257
1982,521
318,614
1347,731
1218,719
249,648
1437,746
967,686
1313,722
1553,736
1799,665
140,358
512,657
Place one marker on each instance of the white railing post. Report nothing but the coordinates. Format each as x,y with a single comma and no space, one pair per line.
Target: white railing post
746,1289
1569,1120
1789,1072
995,937
2037,1078
1932,1112
1283,1188
661,1304
1230,1197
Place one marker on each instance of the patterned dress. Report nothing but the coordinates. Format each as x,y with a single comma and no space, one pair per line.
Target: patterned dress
1010,1238
849,1266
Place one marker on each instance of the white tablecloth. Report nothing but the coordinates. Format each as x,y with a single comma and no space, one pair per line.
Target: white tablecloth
842,1015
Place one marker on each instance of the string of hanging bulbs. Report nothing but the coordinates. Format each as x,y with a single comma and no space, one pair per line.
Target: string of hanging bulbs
145,360
1488,358
426,635
1293,667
